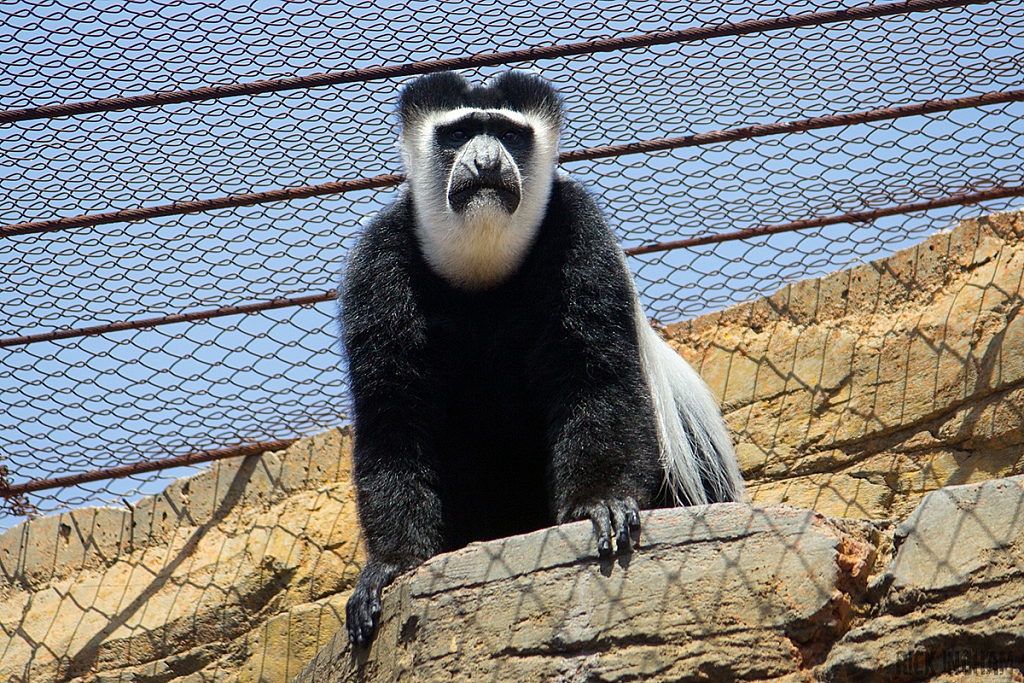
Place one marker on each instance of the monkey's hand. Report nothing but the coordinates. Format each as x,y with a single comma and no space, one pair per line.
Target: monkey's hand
362,612
618,517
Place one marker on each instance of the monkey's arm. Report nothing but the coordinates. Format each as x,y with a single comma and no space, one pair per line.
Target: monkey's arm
605,456
394,472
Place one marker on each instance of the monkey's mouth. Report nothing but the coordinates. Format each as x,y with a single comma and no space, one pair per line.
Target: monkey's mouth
462,196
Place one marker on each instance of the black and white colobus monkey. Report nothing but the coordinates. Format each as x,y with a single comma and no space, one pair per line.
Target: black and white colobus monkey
503,375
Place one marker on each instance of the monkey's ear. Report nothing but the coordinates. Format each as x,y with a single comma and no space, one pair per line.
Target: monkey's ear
527,92
443,91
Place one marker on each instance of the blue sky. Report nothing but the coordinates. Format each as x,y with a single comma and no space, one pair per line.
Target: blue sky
79,404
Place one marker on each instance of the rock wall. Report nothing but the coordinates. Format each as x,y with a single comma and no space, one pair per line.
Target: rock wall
852,395
236,574
857,393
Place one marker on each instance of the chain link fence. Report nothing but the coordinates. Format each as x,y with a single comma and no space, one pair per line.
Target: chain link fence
181,182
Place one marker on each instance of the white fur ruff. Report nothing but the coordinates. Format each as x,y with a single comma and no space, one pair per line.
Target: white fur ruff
695,446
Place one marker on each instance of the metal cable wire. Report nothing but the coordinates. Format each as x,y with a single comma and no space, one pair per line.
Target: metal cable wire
645,146
532,54
252,375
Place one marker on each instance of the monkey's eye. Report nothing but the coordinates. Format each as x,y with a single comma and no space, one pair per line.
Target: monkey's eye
510,136
458,135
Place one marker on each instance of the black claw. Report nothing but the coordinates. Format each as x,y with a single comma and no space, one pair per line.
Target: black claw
363,615
616,525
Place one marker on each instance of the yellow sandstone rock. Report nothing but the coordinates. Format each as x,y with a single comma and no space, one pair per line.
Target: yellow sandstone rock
919,355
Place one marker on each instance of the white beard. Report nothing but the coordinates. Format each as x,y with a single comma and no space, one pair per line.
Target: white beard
482,246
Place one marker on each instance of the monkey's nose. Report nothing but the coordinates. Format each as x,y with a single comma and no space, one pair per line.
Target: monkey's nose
489,174
486,163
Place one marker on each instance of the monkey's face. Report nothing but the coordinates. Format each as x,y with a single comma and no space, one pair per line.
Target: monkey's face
480,182
480,161
485,151
480,164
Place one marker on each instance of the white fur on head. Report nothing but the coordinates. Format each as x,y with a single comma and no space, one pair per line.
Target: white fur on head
483,246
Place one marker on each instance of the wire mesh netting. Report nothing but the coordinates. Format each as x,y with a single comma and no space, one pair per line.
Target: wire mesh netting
122,396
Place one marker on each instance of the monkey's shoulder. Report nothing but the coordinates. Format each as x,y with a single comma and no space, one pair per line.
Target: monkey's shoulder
376,282
386,236
576,220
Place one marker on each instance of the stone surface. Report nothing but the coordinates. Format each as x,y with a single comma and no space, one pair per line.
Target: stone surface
953,597
721,593
236,574
858,393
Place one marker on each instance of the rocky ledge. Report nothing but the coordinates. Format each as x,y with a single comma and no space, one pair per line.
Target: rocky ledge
719,593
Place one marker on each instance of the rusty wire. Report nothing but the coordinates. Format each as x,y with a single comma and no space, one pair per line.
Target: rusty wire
330,295
198,320
533,54
642,147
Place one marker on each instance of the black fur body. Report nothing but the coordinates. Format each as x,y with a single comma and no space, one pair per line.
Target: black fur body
504,378
486,414
517,404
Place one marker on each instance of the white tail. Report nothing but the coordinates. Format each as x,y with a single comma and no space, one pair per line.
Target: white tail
696,451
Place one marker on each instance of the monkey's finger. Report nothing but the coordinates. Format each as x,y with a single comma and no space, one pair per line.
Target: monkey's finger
622,544
600,515
633,520
621,514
